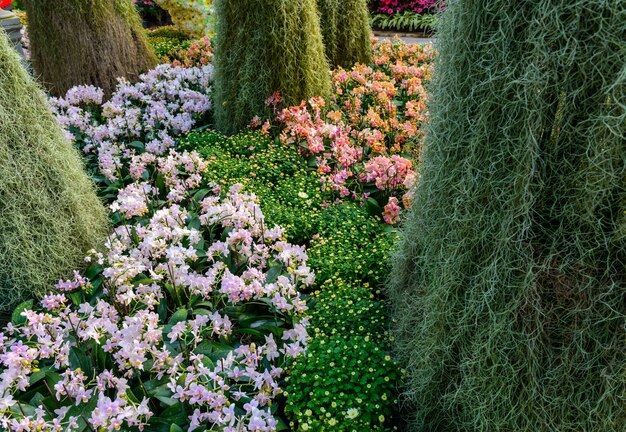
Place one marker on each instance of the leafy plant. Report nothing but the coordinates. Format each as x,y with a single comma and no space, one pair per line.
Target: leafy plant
404,21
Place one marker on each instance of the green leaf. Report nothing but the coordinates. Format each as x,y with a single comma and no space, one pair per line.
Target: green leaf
16,317
179,315
176,428
372,207
138,145
78,359
273,273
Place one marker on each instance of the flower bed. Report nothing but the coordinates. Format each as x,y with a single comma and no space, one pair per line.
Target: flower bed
199,308
365,139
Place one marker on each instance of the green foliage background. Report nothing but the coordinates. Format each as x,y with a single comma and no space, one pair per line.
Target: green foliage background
346,31
264,46
509,286
86,42
49,213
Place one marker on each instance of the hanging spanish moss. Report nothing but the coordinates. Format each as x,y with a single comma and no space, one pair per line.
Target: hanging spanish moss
509,288
346,31
86,42
264,46
49,213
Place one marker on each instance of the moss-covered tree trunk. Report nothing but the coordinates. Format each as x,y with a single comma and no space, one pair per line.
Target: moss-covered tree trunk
86,42
509,287
50,215
346,31
264,46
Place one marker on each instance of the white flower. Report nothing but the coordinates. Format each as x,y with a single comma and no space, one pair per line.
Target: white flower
352,413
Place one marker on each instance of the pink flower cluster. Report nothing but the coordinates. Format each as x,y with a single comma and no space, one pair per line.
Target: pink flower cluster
395,6
126,325
367,135
166,102
157,316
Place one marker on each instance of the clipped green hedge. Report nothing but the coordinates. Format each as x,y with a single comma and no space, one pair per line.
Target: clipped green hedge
346,31
265,46
49,213
509,286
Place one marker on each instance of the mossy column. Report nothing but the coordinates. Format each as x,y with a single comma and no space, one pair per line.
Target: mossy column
346,31
508,289
264,46
86,42
50,215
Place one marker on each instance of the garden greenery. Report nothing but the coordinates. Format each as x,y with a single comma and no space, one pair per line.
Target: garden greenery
264,47
405,21
192,318
508,289
92,42
51,215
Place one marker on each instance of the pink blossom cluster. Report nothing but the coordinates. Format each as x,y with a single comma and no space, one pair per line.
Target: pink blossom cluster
366,136
166,102
157,316
395,6
143,264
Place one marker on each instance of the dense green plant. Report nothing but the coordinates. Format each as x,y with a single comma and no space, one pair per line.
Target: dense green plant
346,31
263,47
351,244
288,190
347,381
405,21
50,215
509,285
86,42
348,309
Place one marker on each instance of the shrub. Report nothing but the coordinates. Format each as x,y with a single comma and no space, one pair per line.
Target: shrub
187,323
190,319
341,308
86,42
145,116
263,48
333,399
405,21
167,42
509,284
50,213
346,31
